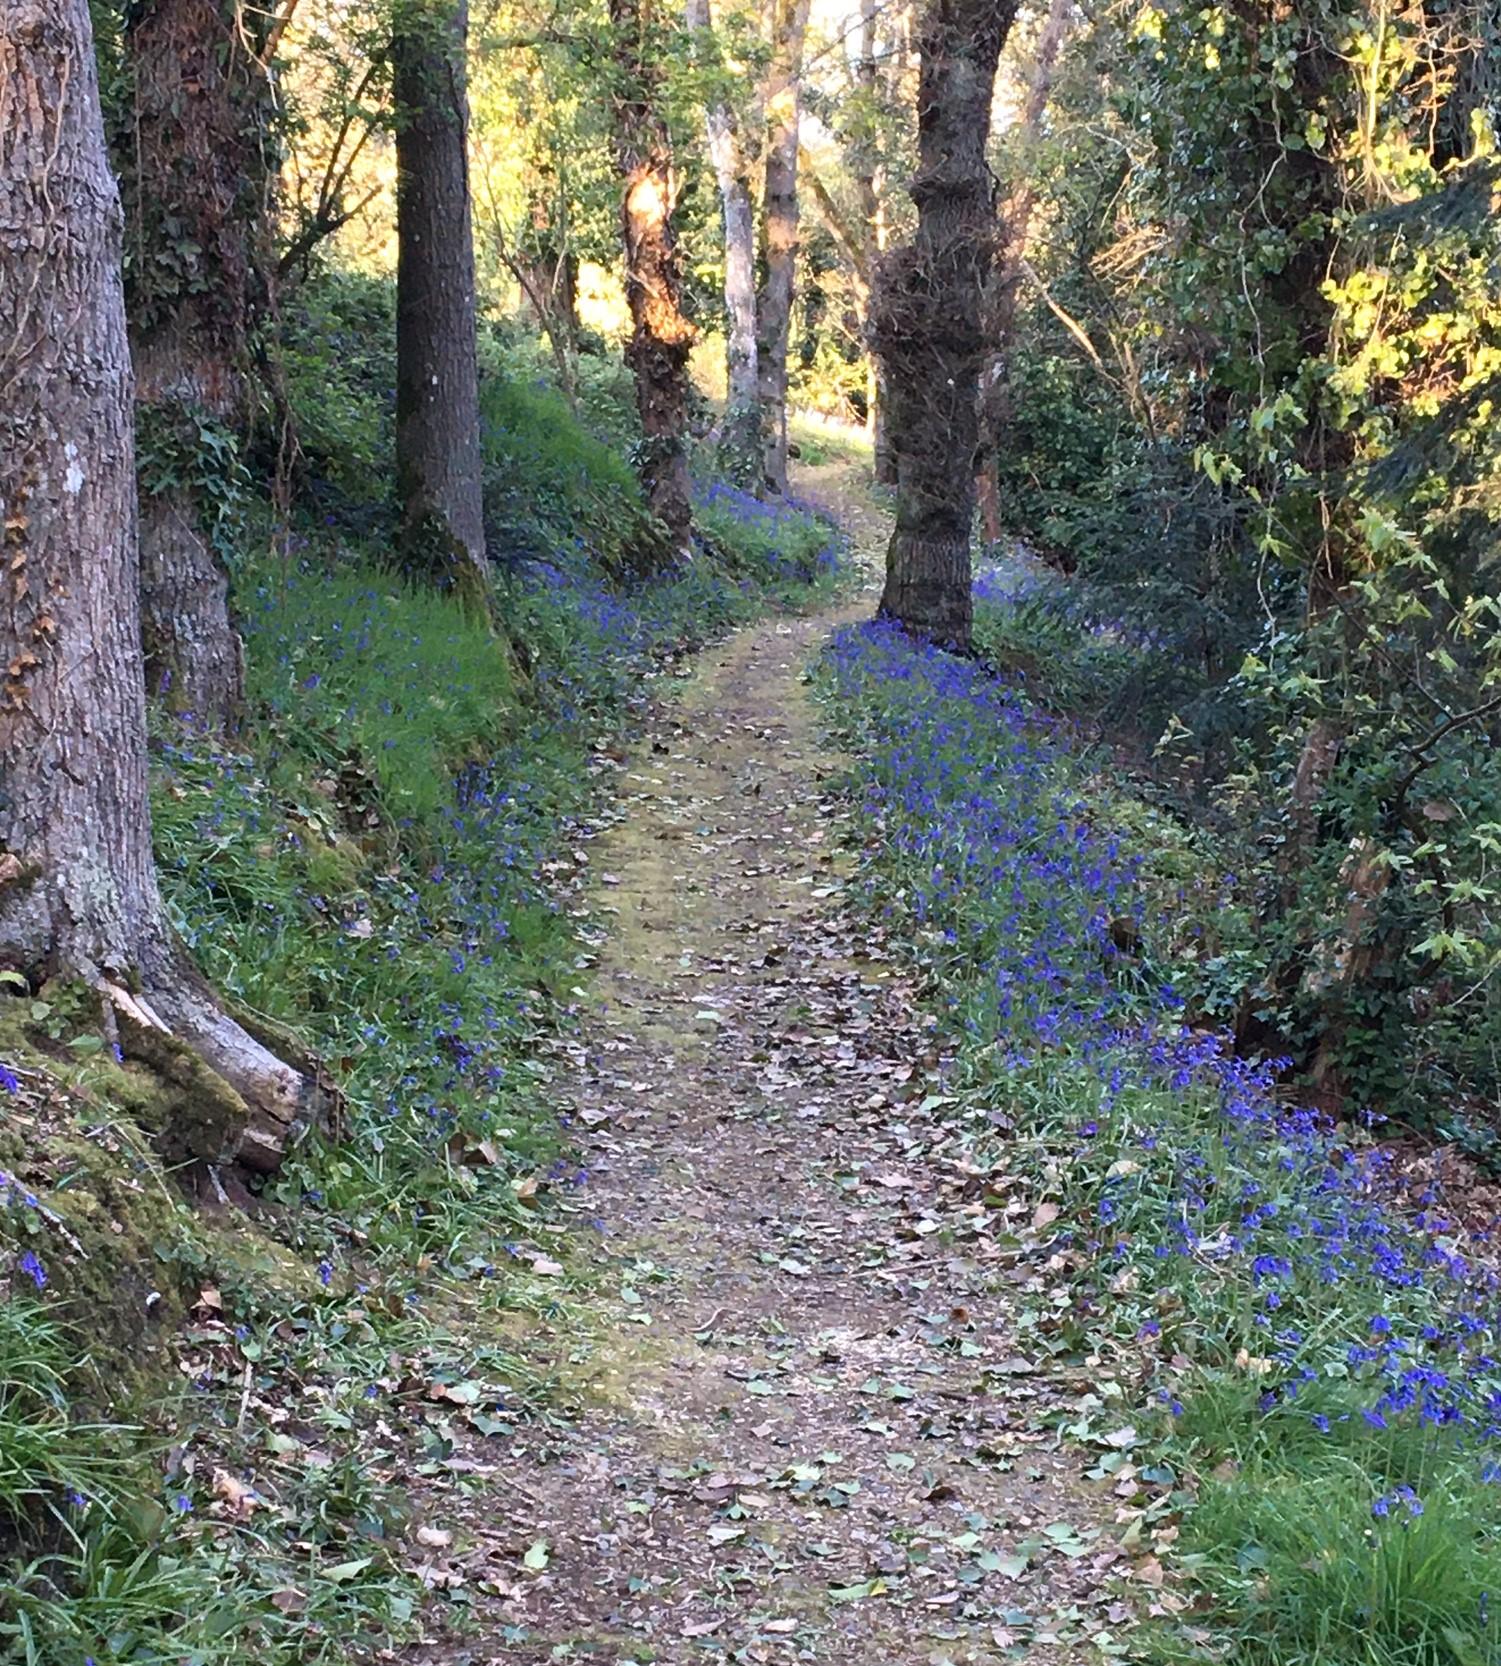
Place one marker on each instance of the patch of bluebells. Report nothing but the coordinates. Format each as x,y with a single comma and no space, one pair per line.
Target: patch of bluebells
1016,881
16,1199
774,539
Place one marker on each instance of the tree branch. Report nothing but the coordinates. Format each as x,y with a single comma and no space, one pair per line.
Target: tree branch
849,245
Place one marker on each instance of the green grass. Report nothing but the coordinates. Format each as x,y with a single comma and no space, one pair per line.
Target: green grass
381,860
818,442
1306,1572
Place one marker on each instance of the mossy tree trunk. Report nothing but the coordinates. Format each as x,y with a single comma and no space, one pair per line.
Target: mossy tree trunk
779,233
197,181
78,891
929,322
439,479
661,334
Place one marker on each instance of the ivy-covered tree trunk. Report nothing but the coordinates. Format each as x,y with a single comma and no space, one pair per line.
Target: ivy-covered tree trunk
197,181
929,318
439,479
740,446
779,233
661,334
78,892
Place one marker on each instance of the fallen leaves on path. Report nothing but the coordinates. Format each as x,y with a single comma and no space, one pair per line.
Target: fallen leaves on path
820,1420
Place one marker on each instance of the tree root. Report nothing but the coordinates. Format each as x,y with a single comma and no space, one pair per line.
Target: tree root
234,1100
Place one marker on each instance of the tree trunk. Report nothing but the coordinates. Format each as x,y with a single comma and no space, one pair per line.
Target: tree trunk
869,189
78,893
789,26
196,184
547,268
929,322
878,400
740,447
438,471
1016,225
661,336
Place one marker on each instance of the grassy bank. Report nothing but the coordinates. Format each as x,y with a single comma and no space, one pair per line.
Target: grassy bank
386,860
1308,1346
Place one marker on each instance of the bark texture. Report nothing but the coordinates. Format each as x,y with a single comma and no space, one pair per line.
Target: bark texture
928,322
779,233
661,334
197,184
740,446
78,892
438,471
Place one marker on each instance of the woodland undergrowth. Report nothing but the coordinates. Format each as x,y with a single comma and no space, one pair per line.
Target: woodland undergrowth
387,861
1309,1337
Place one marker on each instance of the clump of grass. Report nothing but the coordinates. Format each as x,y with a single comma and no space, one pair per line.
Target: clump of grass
103,1577
1323,1565
49,1464
550,481
817,442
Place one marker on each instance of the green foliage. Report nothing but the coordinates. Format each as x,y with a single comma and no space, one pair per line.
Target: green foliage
45,1457
338,357
1309,1572
548,478
100,1560
1275,476
181,449
1309,1361
109,1583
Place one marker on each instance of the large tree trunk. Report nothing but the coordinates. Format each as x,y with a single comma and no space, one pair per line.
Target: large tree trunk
1015,228
196,178
438,471
740,447
789,26
928,324
78,893
661,335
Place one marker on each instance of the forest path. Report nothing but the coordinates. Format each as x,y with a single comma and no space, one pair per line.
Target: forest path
805,1432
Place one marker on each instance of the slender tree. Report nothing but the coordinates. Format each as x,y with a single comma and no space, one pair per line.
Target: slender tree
661,334
1015,229
928,321
866,166
438,469
78,892
779,232
734,165
197,180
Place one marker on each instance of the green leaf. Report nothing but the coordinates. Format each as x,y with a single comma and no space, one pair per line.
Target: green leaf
342,1572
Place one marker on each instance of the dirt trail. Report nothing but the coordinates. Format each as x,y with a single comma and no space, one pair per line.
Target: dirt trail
806,1432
